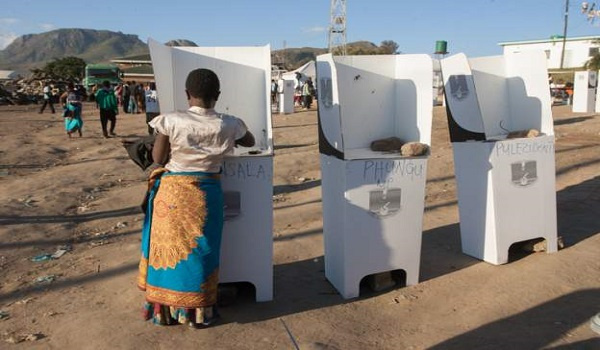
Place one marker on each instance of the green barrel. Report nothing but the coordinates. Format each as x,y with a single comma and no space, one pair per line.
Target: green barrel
441,46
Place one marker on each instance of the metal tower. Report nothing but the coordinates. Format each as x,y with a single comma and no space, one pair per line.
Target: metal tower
337,28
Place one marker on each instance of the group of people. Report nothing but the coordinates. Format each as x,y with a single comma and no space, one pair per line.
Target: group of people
304,92
108,100
131,97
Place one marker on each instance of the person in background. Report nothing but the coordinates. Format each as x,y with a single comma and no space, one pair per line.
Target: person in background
152,105
274,91
107,102
181,236
126,96
140,98
307,93
119,93
92,97
47,91
71,101
133,107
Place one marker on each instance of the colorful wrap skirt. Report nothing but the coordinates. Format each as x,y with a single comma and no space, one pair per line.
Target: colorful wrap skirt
181,243
72,115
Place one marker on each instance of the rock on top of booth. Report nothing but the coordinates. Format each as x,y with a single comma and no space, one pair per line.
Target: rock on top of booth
488,97
366,98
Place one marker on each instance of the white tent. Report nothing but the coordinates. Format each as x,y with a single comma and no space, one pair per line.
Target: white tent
307,71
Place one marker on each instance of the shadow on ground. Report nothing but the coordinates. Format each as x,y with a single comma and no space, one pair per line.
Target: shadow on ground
534,328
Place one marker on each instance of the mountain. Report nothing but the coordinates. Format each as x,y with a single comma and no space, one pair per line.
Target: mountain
293,58
94,46
101,46
180,42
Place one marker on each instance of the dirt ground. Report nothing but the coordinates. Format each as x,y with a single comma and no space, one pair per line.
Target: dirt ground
86,193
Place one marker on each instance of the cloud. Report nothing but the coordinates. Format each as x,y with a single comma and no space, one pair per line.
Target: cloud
315,29
47,26
6,39
9,21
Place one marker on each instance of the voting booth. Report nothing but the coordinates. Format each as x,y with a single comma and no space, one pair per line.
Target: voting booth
372,201
247,177
286,96
506,187
584,92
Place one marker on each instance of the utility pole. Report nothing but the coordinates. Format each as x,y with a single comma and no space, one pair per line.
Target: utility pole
337,27
562,56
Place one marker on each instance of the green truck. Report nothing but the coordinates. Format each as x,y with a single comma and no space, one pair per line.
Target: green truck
95,74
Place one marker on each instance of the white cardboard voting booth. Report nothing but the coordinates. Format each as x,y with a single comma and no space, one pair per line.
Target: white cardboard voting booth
372,201
247,178
506,190
584,91
286,96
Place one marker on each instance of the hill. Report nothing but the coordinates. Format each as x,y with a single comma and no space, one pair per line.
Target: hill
293,58
101,46
95,46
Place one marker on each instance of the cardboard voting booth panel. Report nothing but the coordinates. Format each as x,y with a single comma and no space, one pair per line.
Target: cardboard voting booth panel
372,201
506,187
584,91
247,177
286,96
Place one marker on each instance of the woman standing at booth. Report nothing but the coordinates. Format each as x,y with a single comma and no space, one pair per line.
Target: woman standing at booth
181,237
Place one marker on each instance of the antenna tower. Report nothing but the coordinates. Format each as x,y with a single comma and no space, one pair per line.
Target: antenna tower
337,28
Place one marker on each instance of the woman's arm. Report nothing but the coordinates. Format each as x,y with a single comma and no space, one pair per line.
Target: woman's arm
247,140
161,150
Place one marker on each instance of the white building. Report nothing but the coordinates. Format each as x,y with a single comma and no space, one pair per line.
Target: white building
578,50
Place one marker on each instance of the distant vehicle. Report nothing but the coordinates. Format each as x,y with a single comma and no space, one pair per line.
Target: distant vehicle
95,74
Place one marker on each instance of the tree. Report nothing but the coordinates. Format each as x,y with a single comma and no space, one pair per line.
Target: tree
69,68
593,63
389,47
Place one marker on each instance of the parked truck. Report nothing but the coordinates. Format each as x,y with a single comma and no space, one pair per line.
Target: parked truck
95,74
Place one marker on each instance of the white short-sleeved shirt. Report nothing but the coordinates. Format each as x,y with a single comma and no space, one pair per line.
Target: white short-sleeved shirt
199,138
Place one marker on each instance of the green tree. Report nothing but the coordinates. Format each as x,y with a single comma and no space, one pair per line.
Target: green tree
389,47
593,63
69,68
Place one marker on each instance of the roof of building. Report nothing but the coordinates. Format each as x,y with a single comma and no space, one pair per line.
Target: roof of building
139,70
8,75
550,40
133,59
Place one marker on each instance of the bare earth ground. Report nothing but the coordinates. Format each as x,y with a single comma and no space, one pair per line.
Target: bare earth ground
86,192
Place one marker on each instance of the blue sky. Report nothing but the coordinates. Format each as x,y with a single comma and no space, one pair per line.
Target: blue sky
471,26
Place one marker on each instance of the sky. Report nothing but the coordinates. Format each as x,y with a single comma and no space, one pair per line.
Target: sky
474,27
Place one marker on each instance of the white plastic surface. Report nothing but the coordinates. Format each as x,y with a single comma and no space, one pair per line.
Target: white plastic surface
245,76
247,180
584,92
367,98
509,93
373,212
286,96
247,246
465,107
372,202
506,187
506,195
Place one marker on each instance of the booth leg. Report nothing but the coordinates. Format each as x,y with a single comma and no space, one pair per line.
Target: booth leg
412,276
264,291
351,289
551,244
